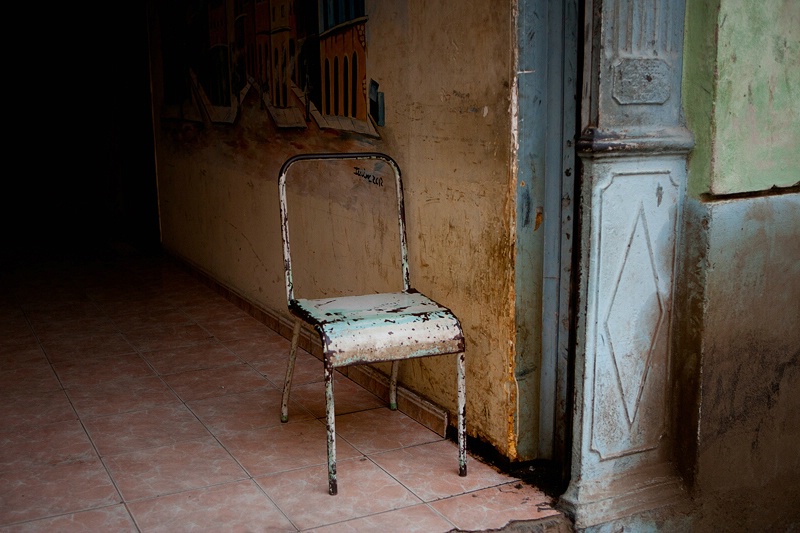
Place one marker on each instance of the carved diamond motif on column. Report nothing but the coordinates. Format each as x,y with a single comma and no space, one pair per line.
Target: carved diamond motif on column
631,301
632,324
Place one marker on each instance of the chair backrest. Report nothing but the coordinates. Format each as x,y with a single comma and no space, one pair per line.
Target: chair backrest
282,177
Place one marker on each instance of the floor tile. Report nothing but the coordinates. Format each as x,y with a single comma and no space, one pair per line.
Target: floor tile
20,334
13,320
381,429
38,491
307,368
249,410
34,409
86,373
348,397
431,470
283,447
30,378
213,310
87,347
132,302
56,443
231,379
166,337
364,489
168,469
208,353
234,507
159,426
495,507
191,294
53,330
19,342
121,396
111,519
242,327
53,301
21,356
268,345
62,311
167,316
415,519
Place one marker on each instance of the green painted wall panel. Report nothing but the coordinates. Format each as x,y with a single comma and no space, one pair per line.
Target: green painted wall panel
699,87
742,94
758,96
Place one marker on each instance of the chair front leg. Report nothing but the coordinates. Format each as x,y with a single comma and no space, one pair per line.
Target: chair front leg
462,417
287,384
330,419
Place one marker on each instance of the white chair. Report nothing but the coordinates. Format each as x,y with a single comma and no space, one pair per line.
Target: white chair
371,328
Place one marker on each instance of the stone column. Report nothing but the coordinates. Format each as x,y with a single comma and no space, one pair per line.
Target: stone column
633,149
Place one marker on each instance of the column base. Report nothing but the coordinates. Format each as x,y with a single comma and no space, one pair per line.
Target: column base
601,502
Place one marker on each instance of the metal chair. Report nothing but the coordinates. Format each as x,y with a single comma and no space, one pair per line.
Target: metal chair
371,328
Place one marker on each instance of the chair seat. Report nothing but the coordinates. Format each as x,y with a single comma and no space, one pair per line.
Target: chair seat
381,327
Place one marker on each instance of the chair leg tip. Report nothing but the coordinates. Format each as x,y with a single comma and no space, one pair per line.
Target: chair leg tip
393,406
284,419
333,489
462,471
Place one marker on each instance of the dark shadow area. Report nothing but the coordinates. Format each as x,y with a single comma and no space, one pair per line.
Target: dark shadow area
82,138
545,475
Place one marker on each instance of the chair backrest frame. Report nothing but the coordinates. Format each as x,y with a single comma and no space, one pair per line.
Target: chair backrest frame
282,176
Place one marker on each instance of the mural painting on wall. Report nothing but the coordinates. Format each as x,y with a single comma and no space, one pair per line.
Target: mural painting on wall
303,61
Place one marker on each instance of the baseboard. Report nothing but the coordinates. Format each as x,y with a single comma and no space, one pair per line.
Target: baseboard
409,403
423,411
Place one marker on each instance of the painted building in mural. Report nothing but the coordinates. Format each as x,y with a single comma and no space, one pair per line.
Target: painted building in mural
281,54
343,52
218,80
306,58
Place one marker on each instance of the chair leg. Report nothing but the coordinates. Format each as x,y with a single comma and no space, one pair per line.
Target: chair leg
462,418
287,384
393,386
330,419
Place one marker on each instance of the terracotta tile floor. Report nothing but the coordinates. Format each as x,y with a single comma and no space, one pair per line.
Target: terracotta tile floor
137,399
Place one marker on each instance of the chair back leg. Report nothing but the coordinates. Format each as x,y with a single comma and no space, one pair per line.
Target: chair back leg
287,383
393,386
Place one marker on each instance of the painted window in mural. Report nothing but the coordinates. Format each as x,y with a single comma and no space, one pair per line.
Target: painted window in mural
305,60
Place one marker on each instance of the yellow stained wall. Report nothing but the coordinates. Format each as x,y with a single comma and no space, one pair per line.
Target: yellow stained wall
445,70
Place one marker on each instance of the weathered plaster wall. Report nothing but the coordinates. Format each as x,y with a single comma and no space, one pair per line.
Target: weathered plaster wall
445,72
737,366
452,135
750,409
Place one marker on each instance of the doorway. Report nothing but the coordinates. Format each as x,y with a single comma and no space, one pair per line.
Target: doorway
547,78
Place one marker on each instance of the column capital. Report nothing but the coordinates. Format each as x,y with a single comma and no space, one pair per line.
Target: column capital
598,143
